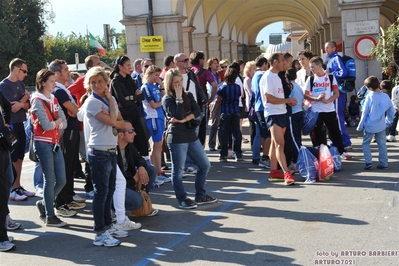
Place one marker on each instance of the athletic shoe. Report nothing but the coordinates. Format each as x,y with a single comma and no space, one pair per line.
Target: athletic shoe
165,167
190,170
10,224
244,140
368,166
127,225
17,195
54,221
64,211
163,177
153,213
288,179
25,192
187,204
265,163
105,239
382,167
73,205
223,159
39,192
89,194
42,210
276,176
391,138
212,149
238,158
78,199
346,156
348,148
157,183
256,161
6,246
206,199
115,232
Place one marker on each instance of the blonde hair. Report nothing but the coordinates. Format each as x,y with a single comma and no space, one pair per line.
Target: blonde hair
250,65
170,74
151,70
93,72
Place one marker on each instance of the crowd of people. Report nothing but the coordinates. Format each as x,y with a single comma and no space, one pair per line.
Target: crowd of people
107,120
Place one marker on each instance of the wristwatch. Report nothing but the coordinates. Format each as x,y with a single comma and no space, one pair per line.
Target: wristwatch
131,97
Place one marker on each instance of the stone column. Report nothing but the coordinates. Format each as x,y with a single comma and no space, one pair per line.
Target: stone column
335,29
187,40
322,38
313,45
317,42
214,45
365,11
327,33
170,27
200,43
242,52
253,52
226,49
234,51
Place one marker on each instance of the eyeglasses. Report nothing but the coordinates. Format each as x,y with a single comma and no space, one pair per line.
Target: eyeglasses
146,66
130,131
25,71
59,62
184,60
223,67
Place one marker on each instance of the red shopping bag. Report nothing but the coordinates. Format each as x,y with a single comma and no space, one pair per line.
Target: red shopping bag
326,163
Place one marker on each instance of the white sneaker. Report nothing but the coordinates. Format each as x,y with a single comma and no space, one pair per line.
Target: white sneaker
17,195
115,232
10,224
346,156
157,182
25,192
265,163
391,138
164,178
78,199
6,246
127,225
190,170
39,192
105,239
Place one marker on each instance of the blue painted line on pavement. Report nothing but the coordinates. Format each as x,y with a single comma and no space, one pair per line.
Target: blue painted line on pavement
204,222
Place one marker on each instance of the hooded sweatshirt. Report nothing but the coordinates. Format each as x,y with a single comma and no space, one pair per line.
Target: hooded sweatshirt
44,128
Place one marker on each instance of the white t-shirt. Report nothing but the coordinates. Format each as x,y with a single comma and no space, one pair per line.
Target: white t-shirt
322,85
239,83
191,87
271,83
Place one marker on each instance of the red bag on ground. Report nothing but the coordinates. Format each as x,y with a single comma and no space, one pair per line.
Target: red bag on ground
326,163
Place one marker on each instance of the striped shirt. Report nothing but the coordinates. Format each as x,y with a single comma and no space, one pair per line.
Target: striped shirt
230,94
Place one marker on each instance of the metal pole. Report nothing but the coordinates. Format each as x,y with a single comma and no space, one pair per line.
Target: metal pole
150,27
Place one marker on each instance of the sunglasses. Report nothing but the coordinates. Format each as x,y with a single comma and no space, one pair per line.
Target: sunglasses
147,66
223,67
25,71
130,131
184,60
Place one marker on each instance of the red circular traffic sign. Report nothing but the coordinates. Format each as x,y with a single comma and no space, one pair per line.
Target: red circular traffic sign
363,47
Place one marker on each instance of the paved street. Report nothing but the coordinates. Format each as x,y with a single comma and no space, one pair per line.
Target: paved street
254,222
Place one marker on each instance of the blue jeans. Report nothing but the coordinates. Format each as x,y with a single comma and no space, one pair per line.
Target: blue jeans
178,154
103,174
341,102
382,148
392,128
189,162
230,125
134,200
256,143
38,176
54,173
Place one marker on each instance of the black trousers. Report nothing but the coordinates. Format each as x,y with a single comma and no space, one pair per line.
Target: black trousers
330,121
4,162
70,140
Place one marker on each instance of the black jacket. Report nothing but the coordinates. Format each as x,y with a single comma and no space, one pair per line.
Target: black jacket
122,87
202,98
134,160
6,107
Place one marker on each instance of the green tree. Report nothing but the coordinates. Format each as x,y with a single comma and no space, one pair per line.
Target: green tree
22,25
387,51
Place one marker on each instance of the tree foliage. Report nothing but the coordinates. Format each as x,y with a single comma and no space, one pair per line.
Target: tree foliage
387,50
22,26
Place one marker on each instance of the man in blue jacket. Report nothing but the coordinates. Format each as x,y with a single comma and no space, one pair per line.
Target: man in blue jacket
336,67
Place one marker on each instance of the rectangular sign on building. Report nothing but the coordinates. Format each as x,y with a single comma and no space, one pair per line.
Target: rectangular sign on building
275,38
362,27
151,44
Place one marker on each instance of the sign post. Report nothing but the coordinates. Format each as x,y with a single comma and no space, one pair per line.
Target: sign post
363,47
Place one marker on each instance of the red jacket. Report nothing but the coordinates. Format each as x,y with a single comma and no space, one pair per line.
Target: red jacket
77,89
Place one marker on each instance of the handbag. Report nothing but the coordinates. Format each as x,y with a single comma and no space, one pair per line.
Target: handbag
309,121
193,123
146,208
32,154
8,138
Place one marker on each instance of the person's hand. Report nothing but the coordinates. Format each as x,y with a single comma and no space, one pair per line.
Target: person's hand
292,101
58,122
16,106
71,114
321,97
143,175
178,91
138,92
108,94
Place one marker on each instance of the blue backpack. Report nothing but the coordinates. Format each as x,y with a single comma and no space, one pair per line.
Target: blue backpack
347,84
